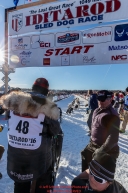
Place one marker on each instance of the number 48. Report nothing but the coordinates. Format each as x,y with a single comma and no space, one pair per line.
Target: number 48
23,127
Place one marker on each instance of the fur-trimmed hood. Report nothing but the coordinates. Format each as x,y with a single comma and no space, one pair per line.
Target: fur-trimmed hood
25,103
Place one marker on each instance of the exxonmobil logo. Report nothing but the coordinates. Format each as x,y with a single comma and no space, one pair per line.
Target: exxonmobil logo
80,11
119,57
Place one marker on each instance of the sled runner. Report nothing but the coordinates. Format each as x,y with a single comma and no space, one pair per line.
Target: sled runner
51,173
56,152
60,117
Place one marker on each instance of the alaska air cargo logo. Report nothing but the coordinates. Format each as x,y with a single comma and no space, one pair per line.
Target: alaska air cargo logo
17,22
69,37
121,32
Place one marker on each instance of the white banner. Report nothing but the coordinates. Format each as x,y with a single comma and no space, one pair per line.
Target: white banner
66,14
100,45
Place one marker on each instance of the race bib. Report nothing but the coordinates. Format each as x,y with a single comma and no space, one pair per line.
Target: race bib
25,132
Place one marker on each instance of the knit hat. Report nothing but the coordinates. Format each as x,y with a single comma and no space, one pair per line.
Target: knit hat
104,94
42,82
103,165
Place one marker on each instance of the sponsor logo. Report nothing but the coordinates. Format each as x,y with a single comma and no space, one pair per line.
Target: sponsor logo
40,43
46,61
25,54
44,45
17,22
86,59
110,48
98,34
20,40
20,46
119,57
21,177
65,60
121,32
69,37
24,61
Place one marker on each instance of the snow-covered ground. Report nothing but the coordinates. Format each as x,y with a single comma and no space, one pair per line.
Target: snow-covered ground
75,139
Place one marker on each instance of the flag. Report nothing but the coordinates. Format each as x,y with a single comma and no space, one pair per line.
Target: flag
15,2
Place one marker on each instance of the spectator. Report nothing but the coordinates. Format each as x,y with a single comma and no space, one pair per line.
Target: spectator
92,105
116,101
124,122
1,153
33,121
99,177
121,103
1,148
104,131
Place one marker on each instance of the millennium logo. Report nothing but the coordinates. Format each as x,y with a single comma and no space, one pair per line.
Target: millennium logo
68,38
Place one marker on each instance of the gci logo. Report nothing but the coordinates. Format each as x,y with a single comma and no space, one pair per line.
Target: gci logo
44,45
119,57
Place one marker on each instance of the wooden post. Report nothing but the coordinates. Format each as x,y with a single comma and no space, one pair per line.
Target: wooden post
6,52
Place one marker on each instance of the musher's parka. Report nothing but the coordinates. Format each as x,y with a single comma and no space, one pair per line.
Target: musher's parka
33,120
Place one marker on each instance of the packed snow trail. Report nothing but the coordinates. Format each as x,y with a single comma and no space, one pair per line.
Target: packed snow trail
75,139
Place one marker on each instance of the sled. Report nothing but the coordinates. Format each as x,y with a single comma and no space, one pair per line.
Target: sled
56,154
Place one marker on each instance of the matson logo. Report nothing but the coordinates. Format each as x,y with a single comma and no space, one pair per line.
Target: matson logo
110,48
67,51
119,57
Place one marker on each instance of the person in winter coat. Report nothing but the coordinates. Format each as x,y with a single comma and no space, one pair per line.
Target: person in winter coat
92,105
104,130
32,123
116,101
1,148
1,153
99,177
121,103
125,114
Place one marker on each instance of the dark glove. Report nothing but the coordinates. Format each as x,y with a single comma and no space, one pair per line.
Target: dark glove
98,150
86,105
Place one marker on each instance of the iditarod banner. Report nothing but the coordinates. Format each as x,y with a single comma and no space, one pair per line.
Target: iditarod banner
97,46
66,14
